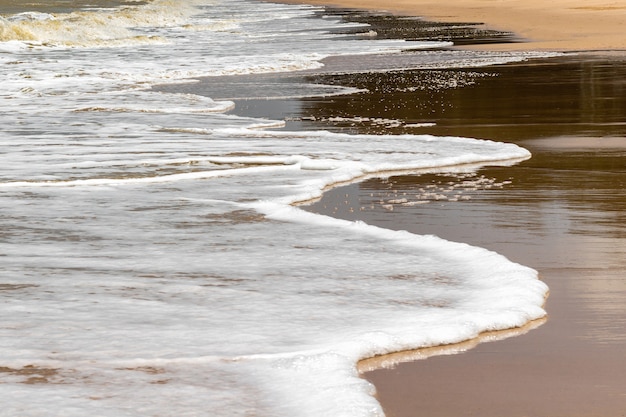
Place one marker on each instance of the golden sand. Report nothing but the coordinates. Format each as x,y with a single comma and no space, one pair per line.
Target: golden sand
556,25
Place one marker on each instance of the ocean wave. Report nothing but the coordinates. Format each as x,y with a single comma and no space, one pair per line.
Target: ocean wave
99,27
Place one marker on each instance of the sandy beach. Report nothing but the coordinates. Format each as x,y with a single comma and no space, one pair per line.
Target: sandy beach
572,25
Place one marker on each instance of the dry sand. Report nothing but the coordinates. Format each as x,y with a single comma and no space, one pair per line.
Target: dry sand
564,25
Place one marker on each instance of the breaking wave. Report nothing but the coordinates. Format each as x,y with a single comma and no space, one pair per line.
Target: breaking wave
130,24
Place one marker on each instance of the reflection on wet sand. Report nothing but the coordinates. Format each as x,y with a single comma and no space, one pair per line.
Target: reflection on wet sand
570,96
562,212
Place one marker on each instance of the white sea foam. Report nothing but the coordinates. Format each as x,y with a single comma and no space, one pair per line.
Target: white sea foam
152,260
100,27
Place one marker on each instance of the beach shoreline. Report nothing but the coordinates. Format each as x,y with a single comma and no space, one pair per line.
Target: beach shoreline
564,365
568,364
566,25
159,219
542,372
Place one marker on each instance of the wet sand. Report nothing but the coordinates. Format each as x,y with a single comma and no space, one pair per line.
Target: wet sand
562,212
547,25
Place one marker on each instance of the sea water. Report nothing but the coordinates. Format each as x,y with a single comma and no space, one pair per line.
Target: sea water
153,262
